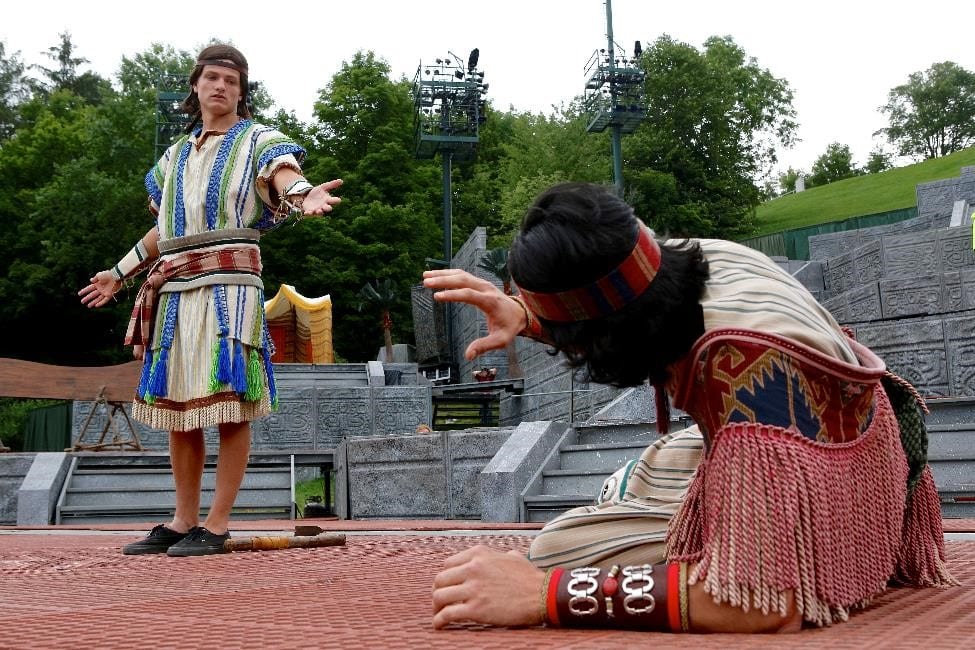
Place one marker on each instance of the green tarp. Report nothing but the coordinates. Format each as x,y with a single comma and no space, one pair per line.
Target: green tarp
48,428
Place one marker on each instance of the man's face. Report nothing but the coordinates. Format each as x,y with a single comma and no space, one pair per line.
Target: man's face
218,89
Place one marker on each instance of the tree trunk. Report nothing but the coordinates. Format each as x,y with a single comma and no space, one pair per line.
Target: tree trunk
388,336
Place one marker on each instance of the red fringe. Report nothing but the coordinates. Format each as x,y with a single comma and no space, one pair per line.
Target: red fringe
921,561
772,512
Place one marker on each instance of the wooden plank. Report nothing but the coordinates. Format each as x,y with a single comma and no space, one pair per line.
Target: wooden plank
43,381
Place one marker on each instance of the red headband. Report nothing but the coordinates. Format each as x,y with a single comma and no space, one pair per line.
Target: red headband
609,294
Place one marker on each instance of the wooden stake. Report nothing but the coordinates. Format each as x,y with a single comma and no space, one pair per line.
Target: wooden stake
276,542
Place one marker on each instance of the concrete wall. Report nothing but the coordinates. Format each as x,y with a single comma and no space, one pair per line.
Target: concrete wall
13,469
427,476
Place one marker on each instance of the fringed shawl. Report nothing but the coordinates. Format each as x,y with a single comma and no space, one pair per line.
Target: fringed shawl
805,483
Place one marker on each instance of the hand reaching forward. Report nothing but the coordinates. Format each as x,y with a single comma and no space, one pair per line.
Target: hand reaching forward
101,289
320,200
487,586
505,317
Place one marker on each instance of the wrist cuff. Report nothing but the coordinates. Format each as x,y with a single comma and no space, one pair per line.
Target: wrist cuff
639,597
133,262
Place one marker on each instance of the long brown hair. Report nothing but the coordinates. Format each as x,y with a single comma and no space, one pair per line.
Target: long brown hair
217,51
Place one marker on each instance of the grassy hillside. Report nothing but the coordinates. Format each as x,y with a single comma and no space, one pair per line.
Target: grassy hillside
889,190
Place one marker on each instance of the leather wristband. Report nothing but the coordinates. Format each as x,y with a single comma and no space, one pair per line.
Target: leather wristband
639,597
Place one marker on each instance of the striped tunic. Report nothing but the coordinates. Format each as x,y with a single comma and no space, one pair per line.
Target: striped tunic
210,345
744,289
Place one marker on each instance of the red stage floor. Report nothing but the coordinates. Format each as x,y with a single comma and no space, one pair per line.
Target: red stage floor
68,587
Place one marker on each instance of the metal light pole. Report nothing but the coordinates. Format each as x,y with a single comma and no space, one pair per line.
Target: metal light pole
613,96
448,102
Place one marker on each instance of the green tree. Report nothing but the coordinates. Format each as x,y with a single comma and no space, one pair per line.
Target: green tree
835,164
788,179
381,297
65,76
878,161
933,114
14,90
715,118
389,223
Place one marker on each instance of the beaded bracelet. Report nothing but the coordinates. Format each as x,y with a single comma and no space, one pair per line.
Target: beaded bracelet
533,328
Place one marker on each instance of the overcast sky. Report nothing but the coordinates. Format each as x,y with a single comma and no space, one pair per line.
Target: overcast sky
840,57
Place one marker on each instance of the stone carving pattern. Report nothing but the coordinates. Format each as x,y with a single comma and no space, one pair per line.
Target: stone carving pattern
400,410
919,296
342,412
292,425
960,337
906,257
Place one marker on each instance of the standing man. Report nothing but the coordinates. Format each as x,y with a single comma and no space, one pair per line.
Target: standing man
199,319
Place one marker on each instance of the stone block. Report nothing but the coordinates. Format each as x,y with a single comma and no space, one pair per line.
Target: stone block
917,296
838,306
960,348
959,290
955,248
397,477
909,256
13,469
828,245
868,262
913,349
38,494
811,275
343,412
505,477
840,273
468,452
863,304
399,409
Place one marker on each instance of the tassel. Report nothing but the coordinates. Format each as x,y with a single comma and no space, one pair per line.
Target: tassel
214,385
662,404
146,373
224,375
240,369
269,371
157,382
255,383
921,559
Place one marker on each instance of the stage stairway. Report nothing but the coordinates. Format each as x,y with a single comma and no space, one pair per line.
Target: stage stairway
106,487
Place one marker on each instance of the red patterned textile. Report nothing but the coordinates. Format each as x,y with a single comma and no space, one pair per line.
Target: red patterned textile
186,267
804,484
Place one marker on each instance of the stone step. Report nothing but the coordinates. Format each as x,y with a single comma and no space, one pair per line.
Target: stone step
573,481
607,457
110,499
950,410
156,479
545,507
136,514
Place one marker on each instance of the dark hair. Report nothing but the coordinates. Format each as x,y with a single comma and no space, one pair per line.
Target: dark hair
217,51
574,234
